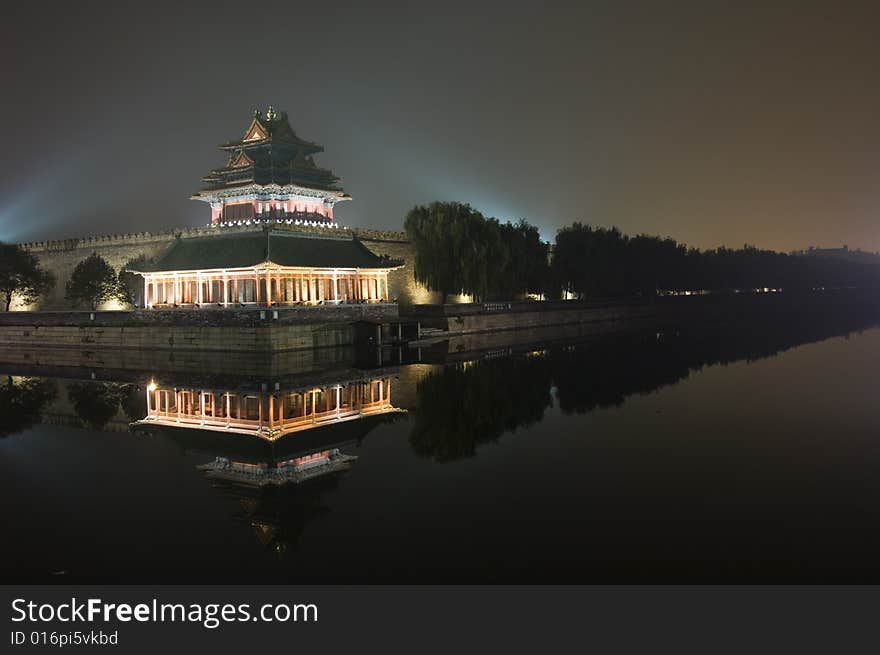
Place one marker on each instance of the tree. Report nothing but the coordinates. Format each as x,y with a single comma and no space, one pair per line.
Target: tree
92,282
525,269
21,275
599,262
130,286
444,253
458,250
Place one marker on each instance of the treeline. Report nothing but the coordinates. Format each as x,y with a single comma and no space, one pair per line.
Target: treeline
460,251
590,261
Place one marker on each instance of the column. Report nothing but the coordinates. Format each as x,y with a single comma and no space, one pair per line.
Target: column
226,292
199,288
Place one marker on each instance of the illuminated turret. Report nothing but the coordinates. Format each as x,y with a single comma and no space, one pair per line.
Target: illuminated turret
270,174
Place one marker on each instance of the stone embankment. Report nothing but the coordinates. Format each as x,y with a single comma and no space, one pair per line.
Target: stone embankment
468,324
210,330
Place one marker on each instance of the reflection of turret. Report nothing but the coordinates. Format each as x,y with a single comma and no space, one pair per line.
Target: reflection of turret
265,414
294,470
274,452
279,515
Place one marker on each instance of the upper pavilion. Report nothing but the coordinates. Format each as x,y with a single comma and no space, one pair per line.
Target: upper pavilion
270,174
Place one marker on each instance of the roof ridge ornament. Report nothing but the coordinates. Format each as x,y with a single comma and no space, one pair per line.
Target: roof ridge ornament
270,113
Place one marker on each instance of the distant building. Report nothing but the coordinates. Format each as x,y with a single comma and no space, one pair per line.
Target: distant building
843,253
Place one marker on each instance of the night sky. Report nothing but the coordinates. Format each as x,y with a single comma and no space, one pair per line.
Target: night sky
713,123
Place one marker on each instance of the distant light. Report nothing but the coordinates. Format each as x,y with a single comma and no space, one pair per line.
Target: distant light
151,387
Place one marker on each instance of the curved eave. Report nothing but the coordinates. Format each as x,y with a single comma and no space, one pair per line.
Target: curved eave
310,148
337,194
267,265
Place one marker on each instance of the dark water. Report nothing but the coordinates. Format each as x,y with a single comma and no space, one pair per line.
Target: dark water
712,455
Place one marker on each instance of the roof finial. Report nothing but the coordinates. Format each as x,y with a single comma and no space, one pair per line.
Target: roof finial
257,112
270,113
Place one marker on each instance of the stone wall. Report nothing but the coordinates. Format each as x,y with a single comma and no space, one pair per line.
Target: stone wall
232,369
61,256
237,331
401,282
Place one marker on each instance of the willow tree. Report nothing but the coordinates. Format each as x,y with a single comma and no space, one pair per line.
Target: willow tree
442,235
525,269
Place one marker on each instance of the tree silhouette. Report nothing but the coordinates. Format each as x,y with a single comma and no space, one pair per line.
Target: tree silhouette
92,282
599,262
22,401
95,403
460,251
463,406
21,275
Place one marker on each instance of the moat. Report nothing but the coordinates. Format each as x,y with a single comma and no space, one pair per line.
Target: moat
733,453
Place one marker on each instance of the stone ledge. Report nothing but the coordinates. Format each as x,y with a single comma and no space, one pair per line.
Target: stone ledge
208,317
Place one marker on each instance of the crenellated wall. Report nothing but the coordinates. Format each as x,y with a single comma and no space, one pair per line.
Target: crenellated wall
61,256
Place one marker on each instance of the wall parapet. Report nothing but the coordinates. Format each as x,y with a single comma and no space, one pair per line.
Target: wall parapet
128,238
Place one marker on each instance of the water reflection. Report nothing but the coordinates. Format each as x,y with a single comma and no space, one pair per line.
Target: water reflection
96,403
269,415
275,453
279,459
467,404
22,402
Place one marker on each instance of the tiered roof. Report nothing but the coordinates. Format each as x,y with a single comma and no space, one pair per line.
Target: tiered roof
284,248
270,152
